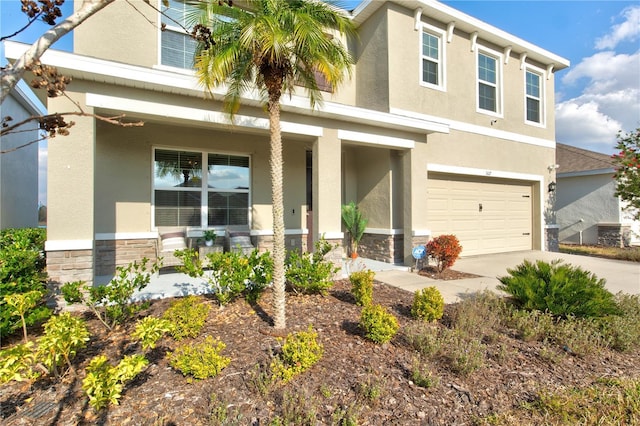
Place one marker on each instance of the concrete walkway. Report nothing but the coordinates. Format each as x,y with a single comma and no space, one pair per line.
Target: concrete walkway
620,275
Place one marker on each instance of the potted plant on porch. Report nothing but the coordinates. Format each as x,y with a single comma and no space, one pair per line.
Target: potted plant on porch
209,236
355,223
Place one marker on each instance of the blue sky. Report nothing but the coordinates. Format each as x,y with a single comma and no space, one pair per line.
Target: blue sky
598,95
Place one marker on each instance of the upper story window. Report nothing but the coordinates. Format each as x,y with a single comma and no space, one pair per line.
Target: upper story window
200,189
489,81
534,102
176,46
432,58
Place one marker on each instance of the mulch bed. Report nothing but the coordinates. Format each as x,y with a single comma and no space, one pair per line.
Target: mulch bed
513,372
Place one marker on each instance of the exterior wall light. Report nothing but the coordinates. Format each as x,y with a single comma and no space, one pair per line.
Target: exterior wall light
552,187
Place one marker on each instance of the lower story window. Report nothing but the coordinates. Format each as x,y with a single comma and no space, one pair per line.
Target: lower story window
200,189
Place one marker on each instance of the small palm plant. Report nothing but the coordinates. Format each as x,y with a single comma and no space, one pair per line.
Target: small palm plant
355,223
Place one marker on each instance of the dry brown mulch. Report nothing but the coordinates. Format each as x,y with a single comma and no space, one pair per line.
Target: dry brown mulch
445,275
342,382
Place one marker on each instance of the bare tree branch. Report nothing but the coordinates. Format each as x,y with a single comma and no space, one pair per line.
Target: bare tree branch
14,72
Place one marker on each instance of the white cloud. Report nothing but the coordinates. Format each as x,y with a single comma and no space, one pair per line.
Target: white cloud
609,102
583,124
628,30
606,71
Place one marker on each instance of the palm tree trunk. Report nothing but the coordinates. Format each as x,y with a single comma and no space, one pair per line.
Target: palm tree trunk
280,322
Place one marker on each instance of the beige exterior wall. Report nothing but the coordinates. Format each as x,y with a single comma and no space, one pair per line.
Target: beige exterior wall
120,33
71,168
459,100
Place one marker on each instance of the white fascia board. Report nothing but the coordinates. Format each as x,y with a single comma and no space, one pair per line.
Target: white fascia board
195,114
470,171
384,231
61,245
468,24
480,130
168,81
609,171
373,139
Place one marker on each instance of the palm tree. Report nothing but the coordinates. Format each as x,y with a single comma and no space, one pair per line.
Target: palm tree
271,45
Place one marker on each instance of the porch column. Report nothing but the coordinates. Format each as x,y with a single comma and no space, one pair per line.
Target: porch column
327,190
414,188
70,197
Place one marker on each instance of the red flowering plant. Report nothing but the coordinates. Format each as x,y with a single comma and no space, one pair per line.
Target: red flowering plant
627,165
445,250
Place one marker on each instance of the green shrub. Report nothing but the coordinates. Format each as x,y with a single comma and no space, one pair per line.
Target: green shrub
16,363
21,303
188,316
422,375
63,335
300,351
311,273
230,274
445,249
151,329
463,353
557,288
362,287
104,383
201,360
378,324
111,303
22,265
428,304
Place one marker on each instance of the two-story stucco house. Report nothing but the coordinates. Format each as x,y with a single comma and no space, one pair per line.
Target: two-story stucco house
447,126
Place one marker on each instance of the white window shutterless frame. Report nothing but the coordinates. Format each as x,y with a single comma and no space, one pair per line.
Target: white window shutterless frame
489,82
432,58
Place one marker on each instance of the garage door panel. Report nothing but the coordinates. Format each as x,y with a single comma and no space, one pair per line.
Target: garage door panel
486,216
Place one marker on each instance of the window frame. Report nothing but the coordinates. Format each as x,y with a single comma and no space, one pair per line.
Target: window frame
442,57
530,69
172,28
204,189
498,85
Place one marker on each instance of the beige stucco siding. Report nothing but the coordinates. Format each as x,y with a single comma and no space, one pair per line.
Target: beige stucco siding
458,101
71,160
372,85
123,33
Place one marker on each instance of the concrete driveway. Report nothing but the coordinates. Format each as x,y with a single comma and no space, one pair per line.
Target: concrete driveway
620,275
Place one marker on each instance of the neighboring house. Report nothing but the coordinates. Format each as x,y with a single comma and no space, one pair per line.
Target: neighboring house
447,127
19,168
587,209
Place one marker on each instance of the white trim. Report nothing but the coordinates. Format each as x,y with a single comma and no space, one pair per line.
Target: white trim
542,98
421,232
552,226
63,245
450,27
474,41
501,174
550,70
371,138
507,53
28,99
151,79
441,61
471,171
110,236
417,17
269,232
480,130
499,84
332,235
195,114
523,58
467,24
384,231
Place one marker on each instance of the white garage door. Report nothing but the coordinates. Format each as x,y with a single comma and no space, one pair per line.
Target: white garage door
487,216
